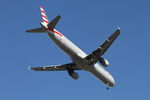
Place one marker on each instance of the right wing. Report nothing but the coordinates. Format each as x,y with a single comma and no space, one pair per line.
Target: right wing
103,48
56,67
94,56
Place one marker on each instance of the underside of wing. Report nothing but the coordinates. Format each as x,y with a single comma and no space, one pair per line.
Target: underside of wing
94,56
56,67
103,48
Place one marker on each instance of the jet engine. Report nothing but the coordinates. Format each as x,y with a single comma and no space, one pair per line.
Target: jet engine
104,62
73,74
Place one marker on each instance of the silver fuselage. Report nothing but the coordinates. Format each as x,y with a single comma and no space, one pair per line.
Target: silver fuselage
77,56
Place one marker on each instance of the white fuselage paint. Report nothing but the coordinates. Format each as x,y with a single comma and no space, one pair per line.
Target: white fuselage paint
77,56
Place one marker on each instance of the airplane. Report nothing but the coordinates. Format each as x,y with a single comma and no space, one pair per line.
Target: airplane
80,60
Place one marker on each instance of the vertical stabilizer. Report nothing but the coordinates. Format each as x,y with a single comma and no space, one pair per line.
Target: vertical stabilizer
44,17
45,23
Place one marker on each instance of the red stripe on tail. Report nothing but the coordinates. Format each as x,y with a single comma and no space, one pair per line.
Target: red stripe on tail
45,21
43,16
55,31
42,11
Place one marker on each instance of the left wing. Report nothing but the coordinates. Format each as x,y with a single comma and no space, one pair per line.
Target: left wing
56,67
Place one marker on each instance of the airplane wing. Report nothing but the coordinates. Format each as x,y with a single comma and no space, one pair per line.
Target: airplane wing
56,67
94,56
103,48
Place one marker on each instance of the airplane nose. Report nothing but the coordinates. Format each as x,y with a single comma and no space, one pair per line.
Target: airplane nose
112,81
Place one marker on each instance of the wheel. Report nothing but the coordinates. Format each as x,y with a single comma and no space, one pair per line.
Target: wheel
107,88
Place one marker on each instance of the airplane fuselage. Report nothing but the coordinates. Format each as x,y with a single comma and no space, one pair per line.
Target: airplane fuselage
77,55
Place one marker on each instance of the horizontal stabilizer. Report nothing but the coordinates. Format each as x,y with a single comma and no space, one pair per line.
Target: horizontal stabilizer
36,30
54,22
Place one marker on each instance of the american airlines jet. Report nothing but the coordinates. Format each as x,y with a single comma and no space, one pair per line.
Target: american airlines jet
80,60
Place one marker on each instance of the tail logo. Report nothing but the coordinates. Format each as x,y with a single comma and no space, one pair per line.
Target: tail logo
44,17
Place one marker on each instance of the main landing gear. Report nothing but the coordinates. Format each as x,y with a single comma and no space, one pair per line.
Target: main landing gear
73,74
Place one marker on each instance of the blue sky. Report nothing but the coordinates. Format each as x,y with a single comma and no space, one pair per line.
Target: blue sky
87,23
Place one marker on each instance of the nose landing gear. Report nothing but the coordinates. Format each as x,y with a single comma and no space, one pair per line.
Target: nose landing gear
107,86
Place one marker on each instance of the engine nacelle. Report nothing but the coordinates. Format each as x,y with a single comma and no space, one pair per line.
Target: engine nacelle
74,75
104,62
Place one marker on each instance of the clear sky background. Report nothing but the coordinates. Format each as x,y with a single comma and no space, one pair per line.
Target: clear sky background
87,23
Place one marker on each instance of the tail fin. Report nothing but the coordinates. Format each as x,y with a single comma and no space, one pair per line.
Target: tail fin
45,24
44,17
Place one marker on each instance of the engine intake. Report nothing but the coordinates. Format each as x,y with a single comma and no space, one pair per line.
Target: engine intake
104,62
